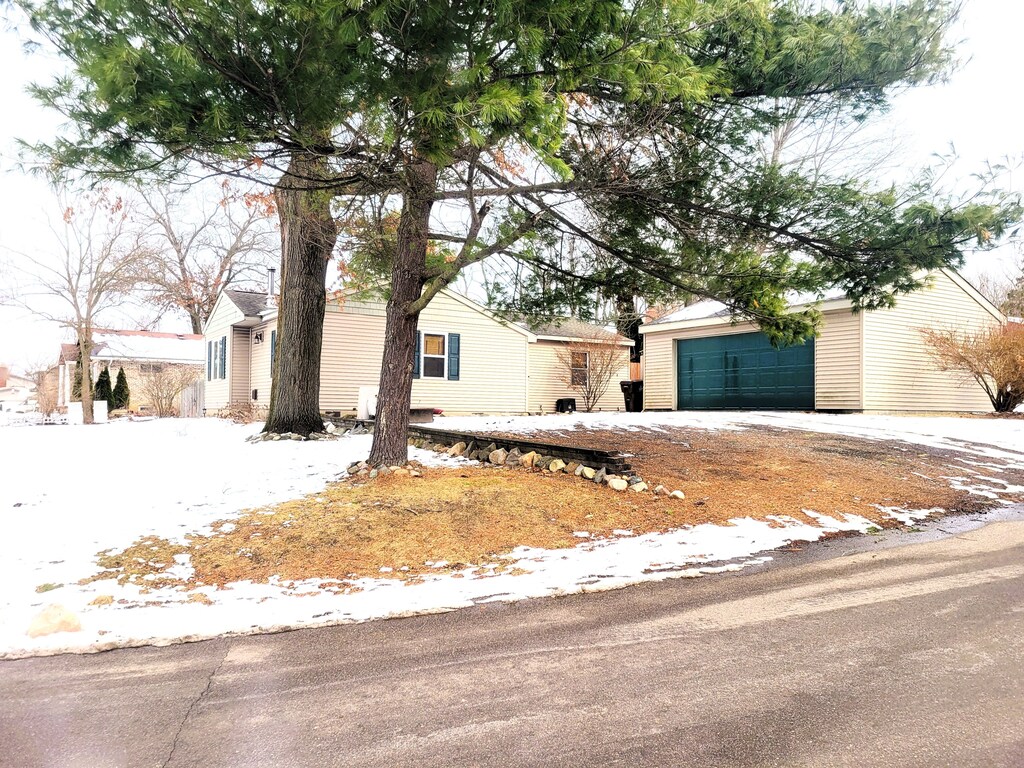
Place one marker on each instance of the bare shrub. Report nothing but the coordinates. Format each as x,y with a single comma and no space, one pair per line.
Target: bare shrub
162,387
588,366
241,412
993,357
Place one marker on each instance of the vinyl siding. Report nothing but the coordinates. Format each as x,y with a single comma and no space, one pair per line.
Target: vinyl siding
238,365
225,314
837,362
547,380
493,376
837,354
899,373
259,365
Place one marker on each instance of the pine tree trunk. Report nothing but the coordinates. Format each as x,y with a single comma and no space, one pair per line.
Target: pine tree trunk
391,429
308,235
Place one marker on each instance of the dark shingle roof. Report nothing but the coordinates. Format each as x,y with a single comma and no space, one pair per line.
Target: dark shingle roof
251,303
571,328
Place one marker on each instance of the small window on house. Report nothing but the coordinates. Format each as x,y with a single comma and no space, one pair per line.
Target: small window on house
257,338
433,355
151,367
580,368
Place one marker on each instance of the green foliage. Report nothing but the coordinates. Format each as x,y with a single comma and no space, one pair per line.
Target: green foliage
103,389
120,395
633,126
76,384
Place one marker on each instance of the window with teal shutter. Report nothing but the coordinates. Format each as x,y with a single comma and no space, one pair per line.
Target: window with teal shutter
209,361
223,357
454,344
416,358
273,351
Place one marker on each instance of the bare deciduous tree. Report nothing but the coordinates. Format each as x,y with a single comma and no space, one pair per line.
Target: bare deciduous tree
993,357
91,267
195,257
162,387
43,375
588,366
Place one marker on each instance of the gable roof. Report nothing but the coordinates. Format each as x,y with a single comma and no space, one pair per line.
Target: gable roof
569,328
249,303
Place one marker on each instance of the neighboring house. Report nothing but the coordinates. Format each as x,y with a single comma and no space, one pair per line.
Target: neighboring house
144,355
17,393
699,358
468,360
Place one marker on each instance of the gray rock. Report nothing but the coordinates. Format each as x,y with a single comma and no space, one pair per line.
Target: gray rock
497,456
556,465
514,456
660,490
528,459
587,473
638,487
457,450
618,484
440,447
677,495
600,475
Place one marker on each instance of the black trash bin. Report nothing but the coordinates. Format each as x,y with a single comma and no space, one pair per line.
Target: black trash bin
633,392
565,405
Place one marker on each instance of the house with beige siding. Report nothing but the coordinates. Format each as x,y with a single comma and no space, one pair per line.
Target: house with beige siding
468,360
701,358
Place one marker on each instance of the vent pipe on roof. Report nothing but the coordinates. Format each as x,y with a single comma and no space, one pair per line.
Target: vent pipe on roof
270,286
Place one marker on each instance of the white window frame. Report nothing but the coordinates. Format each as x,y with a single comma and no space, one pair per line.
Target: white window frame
573,369
424,356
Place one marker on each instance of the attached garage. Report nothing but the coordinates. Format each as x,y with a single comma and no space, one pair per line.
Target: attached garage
700,358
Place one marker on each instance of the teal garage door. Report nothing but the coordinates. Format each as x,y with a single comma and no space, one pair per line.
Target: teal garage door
743,371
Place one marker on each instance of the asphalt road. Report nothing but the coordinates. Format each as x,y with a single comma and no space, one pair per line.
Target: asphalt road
906,656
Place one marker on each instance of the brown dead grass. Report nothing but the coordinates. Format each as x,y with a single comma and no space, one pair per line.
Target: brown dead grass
469,517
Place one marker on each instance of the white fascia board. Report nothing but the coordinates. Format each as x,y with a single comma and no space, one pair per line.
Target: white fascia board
714,322
623,343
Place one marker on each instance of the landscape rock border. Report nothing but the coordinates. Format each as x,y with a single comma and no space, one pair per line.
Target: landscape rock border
495,455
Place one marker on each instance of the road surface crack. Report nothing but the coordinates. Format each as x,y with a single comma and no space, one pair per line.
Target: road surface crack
194,704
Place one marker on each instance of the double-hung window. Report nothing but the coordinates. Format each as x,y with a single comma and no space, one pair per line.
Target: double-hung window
434,356
580,369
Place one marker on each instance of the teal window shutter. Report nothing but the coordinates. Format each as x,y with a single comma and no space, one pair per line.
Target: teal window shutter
416,357
273,350
454,342
223,357
209,361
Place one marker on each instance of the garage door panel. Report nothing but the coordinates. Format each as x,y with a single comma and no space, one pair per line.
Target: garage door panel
743,371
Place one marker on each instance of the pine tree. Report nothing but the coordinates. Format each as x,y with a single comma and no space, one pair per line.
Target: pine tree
104,390
76,385
120,394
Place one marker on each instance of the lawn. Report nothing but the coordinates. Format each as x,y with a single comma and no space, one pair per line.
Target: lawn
203,534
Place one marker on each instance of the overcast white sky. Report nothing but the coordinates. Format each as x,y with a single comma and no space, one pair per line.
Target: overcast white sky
978,112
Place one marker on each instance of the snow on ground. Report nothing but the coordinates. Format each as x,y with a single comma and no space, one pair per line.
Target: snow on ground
69,492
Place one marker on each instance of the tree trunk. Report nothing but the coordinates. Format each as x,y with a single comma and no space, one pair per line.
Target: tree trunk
308,235
391,430
197,322
85,361
627,323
